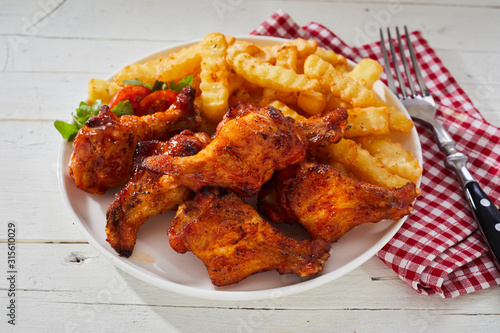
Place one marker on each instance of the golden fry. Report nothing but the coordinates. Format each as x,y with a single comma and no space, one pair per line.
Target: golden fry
367,121
367,72
179,64
331,57
287,111
214,74
313,102
100,89
339,84
393,156
398,122
286,57
345,151
360,162
145,73
269,76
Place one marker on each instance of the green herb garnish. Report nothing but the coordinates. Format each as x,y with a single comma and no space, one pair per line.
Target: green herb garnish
177,87
123,108
159,85
136,82
83,113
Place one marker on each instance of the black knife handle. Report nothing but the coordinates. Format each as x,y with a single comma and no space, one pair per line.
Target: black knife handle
487,217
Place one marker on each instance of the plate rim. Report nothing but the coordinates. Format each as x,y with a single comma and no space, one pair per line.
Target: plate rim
227,295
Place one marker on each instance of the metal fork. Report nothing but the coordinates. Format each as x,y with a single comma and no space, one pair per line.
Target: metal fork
422,108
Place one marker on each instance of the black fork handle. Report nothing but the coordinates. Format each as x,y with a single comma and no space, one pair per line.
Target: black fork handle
483,208
487,217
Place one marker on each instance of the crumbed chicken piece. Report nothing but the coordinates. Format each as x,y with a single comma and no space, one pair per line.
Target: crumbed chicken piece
103,149
234,242
144,196
249,144
328,204
325,128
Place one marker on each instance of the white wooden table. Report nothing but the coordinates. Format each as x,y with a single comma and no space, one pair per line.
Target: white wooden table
51,48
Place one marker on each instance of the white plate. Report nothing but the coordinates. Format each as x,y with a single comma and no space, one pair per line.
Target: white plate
154,262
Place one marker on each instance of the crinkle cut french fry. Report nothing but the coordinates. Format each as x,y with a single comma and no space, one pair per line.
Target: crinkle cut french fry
180,64
369,169
287,111
345,152
305,47
235,81
367,71
286,57
269,76
214,74
287,97
367,121
145,72
339,84
333,102
268,96
392,155
331,57
398,122
313,102
242,46
100,89
360,162
230,40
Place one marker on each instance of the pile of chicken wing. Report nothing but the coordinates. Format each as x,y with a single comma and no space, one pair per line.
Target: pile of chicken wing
166,163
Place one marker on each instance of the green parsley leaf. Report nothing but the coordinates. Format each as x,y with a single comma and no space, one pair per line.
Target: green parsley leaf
84,111
136,82
123,108
177,87
68,131
82,114
158,85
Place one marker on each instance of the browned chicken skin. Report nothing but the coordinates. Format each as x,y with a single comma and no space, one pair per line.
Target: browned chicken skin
103,149
144,196
328,204
326,128
249,144
234,242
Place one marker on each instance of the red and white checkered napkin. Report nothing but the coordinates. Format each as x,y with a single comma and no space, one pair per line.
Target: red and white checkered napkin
439,249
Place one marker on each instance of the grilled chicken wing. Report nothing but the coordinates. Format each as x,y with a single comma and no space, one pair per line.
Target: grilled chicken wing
144,196
328,204
234,242
326,128
103,149
249,144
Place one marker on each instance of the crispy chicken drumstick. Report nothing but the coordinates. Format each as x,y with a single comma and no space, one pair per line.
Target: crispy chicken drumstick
234,242
326,128
103,149
328,204
249,144
144,196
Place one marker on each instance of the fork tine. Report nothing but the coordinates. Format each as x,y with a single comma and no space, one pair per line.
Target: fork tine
405,64
402,85
416,67
388,70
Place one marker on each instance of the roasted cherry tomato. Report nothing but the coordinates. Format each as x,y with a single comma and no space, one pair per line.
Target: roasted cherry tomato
133,93
157,101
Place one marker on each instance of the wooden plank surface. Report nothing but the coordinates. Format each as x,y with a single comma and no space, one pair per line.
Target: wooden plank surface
51,48
103,299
